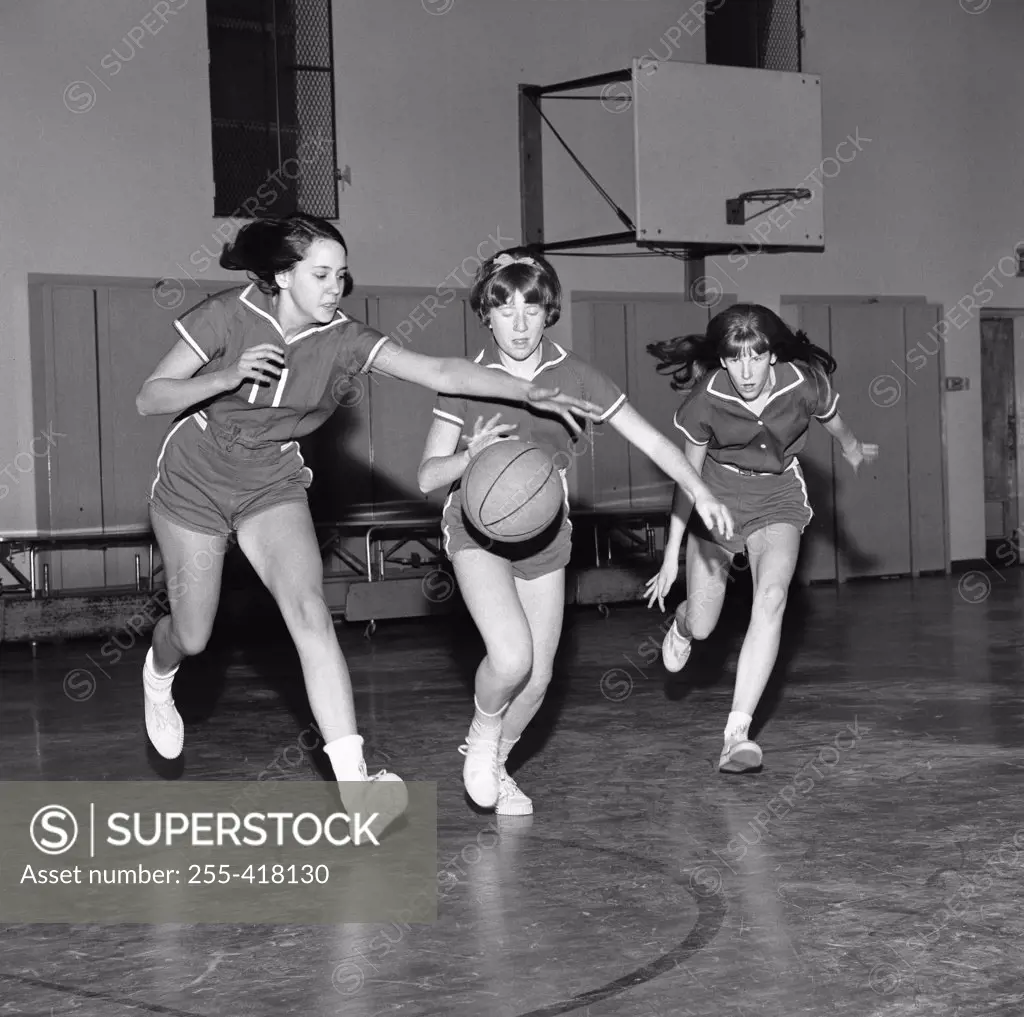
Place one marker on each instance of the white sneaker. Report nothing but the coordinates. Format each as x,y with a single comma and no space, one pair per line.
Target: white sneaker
384,794
675,648
511,800
740,757
164,725
480,772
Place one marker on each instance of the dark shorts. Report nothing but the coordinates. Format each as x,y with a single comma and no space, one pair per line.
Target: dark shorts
210,484
540,556
755,501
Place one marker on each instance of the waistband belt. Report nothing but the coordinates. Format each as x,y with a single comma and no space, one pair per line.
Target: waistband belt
750,473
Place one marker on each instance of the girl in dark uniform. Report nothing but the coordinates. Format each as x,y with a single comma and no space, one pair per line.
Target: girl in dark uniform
516,593
255,369
755,387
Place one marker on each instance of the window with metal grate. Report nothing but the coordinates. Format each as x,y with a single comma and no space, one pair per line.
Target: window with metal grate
272,106
754,33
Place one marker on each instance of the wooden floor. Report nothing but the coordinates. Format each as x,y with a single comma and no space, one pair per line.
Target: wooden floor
873,869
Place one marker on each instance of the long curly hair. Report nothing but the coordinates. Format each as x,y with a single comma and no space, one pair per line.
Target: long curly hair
750,327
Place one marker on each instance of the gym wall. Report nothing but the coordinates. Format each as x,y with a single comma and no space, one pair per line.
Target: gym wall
426,120
427,108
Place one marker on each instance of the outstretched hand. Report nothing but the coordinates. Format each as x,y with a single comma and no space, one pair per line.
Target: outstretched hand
860,452
554,401
658,585
715,515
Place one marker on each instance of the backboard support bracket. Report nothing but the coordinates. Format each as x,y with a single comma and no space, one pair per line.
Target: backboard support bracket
531,178
531,164
618,88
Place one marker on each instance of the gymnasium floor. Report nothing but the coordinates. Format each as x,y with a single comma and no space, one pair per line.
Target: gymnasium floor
873,869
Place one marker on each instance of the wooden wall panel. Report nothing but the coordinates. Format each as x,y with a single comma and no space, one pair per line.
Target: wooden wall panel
817,461
580,475
401,413
41,334
651,393
872,507
610,452
96,343
133,334
76,496
926,455
339,452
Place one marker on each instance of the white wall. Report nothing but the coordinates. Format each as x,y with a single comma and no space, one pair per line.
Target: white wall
118,180
111,177
427,121
931,203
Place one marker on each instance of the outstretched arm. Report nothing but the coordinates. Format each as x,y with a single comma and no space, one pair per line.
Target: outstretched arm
854,452
665,454
659,584
462,377
682,503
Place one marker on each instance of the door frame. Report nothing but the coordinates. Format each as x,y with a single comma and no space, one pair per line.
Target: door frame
1016,315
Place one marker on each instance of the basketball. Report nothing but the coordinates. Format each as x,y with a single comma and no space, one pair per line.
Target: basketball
512,491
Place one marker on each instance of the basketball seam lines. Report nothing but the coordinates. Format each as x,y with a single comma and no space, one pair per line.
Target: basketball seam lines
522,505
494,483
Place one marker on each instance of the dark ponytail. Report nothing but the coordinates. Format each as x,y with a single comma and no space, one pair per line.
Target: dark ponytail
689,358
265,247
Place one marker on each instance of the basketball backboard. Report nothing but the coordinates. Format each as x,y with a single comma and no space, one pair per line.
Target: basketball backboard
725,158
705,136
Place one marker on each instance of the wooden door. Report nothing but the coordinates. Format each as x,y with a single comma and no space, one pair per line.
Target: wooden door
999,427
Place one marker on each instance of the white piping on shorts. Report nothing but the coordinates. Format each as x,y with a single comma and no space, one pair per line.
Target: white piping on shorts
298,452
565,493
163,449
795,467
444,526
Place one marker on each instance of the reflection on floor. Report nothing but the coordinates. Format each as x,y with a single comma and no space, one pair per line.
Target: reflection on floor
872,869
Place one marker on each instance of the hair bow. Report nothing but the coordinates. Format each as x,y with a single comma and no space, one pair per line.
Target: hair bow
504,260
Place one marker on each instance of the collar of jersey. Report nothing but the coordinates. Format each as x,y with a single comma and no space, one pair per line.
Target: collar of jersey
726,391
252,300
551,354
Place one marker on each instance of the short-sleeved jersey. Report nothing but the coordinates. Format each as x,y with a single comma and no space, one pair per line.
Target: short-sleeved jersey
317,362
559,368
716,415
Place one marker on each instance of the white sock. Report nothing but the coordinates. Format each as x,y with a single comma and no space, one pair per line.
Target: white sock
158,684
346,756
737,726
505,746
488,720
